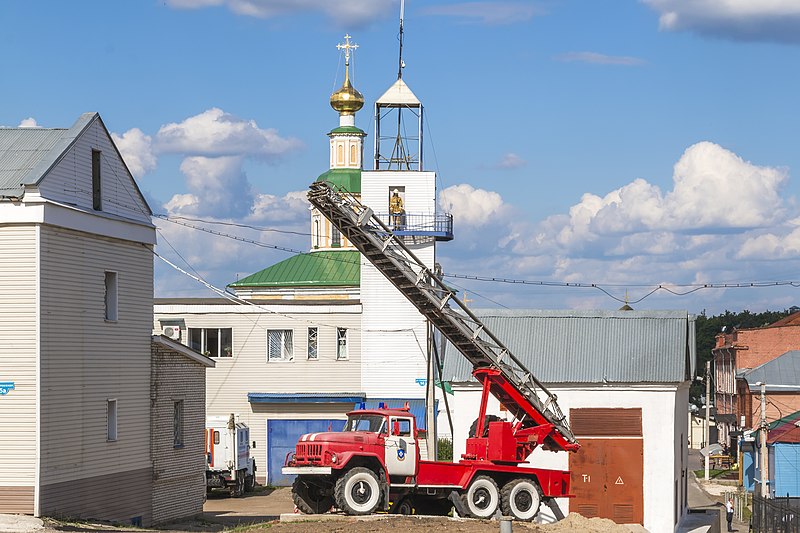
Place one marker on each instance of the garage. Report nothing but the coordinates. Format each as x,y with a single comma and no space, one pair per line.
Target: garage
608,470
282,435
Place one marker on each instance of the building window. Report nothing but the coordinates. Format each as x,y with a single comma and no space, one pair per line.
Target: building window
111,420
177,424
313,354
340,154
111,295
336,237
341,343
279,345
353,155
212,342
97,203
316,232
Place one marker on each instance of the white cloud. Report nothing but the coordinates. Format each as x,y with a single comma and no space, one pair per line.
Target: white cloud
137,151
470,206
352,12
511,160
600,59
215,133
217,187
29,122
293,207
754,20
492,13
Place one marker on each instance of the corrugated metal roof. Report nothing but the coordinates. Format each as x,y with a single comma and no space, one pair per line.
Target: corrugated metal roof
590,346
343,179
27,154
783,370
315,269
305,397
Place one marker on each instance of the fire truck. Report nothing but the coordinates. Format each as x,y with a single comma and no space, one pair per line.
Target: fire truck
374,463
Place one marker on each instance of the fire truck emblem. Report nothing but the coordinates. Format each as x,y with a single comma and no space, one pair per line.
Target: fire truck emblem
401,454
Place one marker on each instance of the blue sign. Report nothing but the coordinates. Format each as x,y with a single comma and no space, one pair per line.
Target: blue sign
6,386
421,381
401,454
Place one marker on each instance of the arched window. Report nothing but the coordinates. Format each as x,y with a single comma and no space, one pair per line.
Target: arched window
316,233
353,155
340,154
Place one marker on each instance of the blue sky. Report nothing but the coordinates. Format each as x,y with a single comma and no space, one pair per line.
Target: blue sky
626,144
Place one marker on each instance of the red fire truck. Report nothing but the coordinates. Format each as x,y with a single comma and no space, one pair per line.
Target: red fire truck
374,463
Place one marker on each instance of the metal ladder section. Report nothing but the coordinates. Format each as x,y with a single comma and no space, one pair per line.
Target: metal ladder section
389,254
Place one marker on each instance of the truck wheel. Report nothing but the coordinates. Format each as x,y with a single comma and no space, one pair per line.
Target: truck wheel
358,491
482,497
403,506
432,507
520,499
249,483
310,498
238,489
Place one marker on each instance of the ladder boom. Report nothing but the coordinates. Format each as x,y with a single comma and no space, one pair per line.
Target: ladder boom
509,380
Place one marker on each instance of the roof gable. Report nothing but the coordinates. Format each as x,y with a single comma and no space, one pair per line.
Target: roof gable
315,269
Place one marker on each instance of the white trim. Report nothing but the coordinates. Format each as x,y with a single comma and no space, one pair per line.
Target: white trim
311,470
257,309
37,475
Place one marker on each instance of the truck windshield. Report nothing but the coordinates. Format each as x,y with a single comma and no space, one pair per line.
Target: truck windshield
371,423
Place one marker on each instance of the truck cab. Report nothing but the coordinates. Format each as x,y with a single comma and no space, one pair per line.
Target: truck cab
355,467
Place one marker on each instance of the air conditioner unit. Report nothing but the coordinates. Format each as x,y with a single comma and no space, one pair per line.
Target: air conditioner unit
173,332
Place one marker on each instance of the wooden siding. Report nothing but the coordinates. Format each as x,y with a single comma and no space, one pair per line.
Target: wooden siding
122,497
394,357
16,500
86,360
179,480
18,275
70,181
247,371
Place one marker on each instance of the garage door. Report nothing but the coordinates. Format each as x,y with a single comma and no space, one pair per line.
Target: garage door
282,435
607,472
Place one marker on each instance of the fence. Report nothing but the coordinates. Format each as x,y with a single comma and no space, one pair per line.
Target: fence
776,515
740,501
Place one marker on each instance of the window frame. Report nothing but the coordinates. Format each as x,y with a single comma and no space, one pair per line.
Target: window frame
312,339
112,420
177,423
342,335
111,295
284,346
203,348
97,179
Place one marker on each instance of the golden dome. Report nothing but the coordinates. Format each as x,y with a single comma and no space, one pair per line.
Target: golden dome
347,100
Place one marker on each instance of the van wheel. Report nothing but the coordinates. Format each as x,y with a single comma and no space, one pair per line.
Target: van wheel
358,491
403,506
481,498
521,499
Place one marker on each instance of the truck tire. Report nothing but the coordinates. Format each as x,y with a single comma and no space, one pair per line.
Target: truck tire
237,489
520,499
432,506
358,491
249,483
311,498
481,498
474,427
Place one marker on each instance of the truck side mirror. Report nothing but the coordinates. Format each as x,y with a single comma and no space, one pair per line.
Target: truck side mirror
254,444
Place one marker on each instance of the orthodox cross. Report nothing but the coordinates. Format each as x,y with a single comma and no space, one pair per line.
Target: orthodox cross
347,47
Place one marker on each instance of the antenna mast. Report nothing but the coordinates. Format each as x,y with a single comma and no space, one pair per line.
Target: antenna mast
400,64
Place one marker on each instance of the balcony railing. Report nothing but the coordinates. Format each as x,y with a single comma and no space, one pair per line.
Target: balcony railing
438,226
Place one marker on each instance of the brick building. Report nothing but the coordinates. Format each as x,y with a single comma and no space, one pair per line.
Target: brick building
178,419
738,351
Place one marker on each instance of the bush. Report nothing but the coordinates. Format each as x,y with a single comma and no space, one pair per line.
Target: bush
444,448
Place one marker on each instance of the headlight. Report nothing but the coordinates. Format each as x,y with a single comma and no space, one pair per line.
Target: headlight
334,458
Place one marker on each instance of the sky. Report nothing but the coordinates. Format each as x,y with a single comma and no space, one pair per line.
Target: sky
593,152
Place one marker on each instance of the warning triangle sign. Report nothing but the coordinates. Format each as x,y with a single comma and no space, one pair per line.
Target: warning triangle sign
619,481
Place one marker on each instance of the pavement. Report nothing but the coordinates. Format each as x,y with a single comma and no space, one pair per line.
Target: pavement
15,523
708,498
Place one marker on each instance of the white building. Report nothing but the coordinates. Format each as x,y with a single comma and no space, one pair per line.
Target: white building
324,331
76,271
622,378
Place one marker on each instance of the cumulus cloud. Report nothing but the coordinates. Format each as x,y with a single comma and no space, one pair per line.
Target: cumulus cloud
215,133
137,151
511,160
29,122
492,13
352,12
470,206
217,186
600,59
293,207
761,20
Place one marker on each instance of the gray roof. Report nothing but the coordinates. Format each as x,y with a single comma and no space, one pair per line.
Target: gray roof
783,371
590,346
27,154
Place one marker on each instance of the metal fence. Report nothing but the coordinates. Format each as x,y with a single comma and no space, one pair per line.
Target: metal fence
775,515
740,501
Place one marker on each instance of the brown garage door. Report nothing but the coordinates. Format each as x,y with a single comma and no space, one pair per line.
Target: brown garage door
607,471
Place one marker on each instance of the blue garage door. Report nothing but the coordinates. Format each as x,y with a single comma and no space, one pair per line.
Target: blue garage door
282,435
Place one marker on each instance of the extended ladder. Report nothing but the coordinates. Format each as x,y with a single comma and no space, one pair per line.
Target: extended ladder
513,385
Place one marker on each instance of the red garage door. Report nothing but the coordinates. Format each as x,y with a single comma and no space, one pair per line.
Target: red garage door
607,471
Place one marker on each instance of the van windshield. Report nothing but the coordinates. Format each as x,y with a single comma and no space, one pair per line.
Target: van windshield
371,423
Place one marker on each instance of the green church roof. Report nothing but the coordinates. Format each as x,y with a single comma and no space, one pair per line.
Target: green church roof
348,129
344,179
315,269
